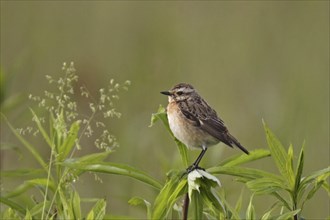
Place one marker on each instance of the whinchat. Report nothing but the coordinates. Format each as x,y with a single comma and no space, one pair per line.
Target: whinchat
194,122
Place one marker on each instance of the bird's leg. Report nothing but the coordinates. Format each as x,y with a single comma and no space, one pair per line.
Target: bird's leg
195,164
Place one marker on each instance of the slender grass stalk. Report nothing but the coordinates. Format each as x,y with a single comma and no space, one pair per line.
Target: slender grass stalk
185,207
46,190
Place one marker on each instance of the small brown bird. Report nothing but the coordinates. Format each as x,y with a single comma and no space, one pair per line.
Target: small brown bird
194,122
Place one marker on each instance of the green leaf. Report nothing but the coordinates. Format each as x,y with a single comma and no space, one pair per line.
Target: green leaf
75,203
228,211
21,172
317,184
299,171
238,205
326,186
212,200
324,173
278,152
69,141
90,215
59,126
196,205
28,215
26,144
113,168
174,187
87,159
289,168
288,215
98,211
36,211
314,177
183,152
316,187
66,207
139,201
250,212
118,217
26,185
90,158
13,206
10,214
246,174
280,198
41,129
243,158
180,189
267,215
265,185
162,115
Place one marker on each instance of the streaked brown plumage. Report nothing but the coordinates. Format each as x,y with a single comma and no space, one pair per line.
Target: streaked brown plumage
194,122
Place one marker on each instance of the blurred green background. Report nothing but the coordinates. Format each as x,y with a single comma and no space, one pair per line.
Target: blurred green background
251,60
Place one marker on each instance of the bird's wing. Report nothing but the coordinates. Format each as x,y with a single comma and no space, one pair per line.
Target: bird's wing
203,116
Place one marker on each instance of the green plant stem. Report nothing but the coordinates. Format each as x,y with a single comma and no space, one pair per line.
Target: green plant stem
48,177
294,208
185,207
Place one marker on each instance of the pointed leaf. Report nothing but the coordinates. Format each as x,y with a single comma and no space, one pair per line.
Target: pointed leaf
250,212
196,205
289,168
36,211
98,211
113,168
299,171
162,115
41,129
212,200
243,158
13,205
326,186
91,158
28,215
288,215
75,203
139,201
26,144
10,214
265,185
280,198
267,215
66,206
26,185
69,141
21,172
239,202
178,191
174,187
304,183
183,152
278,152
245,173
324,173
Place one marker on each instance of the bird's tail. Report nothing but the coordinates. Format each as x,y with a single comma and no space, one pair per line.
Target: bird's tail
234,141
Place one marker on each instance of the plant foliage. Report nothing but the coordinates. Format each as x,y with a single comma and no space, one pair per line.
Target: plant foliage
62,129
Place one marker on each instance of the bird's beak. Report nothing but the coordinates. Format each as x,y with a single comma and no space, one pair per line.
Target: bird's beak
166,93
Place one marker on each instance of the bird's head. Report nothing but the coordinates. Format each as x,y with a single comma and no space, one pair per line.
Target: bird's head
179,92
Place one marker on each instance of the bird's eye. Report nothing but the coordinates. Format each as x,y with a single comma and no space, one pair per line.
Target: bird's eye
179,93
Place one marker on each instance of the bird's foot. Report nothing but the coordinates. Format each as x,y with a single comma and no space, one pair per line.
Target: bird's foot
193,167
